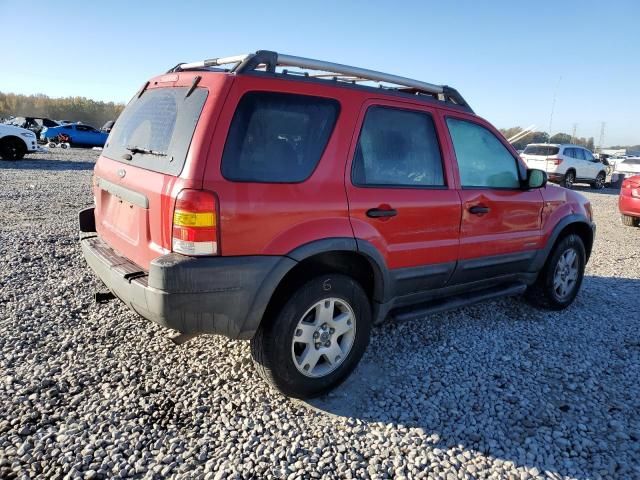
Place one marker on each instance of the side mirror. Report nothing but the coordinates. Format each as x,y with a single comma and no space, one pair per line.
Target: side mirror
536,178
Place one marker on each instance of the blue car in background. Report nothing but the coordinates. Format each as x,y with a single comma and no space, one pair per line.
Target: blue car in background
79,135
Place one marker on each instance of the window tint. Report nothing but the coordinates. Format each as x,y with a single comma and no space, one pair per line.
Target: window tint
277,137
579,153
160,121
545,150
397,148
483,161
588,155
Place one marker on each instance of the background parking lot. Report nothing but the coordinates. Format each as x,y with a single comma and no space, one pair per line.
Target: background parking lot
495,390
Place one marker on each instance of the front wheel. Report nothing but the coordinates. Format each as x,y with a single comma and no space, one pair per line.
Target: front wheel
560,279
12,149
316,339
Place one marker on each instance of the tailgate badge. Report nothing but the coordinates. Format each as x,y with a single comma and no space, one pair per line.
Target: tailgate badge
122,172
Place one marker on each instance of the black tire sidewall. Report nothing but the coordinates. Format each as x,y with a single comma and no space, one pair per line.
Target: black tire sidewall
279,333
570,241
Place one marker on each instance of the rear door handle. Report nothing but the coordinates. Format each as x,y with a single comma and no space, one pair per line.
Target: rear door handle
379,212
479,209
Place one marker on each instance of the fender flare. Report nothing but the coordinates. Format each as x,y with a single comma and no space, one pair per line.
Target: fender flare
289,261
541,257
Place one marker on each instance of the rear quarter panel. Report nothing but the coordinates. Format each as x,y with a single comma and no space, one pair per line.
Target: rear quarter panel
271,218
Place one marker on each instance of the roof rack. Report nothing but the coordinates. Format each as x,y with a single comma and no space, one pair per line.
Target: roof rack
266,60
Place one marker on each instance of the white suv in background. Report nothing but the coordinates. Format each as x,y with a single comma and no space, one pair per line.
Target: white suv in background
566,164
15,142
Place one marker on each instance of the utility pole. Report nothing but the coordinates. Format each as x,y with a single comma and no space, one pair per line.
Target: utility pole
601,141
553,106
573,133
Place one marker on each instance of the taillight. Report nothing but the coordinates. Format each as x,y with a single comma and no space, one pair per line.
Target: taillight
635,192
555,160
195,223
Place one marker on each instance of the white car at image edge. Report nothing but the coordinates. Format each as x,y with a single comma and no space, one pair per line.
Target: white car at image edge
16,142
566,164
627,167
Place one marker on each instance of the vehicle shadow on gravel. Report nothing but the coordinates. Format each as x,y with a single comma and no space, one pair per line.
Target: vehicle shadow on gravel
555,392
46,164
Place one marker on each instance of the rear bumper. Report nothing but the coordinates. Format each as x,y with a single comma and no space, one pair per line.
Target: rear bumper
555,177
219,295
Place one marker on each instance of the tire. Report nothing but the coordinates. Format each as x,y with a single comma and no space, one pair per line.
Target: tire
282,342
12,148
569,179
545,293
630,221
599,182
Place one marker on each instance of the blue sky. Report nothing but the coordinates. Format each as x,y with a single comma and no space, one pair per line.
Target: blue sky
506,58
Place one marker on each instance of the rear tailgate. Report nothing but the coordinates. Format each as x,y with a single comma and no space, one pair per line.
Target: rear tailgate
149,157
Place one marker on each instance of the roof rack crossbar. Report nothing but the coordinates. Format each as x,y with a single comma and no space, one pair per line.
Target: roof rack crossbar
268,60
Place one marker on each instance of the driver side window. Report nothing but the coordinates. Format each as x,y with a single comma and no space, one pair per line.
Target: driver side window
483,161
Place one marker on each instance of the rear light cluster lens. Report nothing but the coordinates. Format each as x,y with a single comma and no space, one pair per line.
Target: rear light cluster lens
195,223
554,160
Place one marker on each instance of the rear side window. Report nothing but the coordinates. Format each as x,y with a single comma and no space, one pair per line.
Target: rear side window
545,150
277,137
397,148
483,161
156,129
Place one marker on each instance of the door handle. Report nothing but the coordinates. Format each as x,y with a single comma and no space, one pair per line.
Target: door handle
479,209
379,212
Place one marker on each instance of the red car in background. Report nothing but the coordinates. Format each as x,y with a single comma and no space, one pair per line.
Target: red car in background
629,202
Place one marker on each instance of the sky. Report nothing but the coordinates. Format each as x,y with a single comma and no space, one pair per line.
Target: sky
508,59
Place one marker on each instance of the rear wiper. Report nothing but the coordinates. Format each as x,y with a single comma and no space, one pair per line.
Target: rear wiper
146,151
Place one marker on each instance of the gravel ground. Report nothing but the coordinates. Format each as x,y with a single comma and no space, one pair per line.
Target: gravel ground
498,390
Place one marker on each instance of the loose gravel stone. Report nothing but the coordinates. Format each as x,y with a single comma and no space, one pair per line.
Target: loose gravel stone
497,390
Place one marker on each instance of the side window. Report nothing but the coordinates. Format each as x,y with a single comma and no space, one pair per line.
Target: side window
588,156
397,148
277,137
483,161
82,128
579,153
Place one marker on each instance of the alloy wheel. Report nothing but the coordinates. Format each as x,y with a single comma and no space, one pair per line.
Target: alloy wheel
323,337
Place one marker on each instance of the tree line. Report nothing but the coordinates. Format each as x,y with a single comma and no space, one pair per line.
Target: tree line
75,109
543,137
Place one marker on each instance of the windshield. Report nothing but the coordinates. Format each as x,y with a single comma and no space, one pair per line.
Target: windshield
154,131
544,150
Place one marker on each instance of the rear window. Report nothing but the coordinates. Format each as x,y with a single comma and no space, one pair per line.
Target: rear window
156,129
277,137
632,161
544,150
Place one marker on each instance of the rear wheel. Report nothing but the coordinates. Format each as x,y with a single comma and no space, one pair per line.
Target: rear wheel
559,281
569,179
630,221
12,149
316,339
599,182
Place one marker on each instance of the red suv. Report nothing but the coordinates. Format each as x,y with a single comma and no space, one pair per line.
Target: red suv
296,202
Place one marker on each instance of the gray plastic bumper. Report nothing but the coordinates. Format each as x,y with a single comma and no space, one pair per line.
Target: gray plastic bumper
221,295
